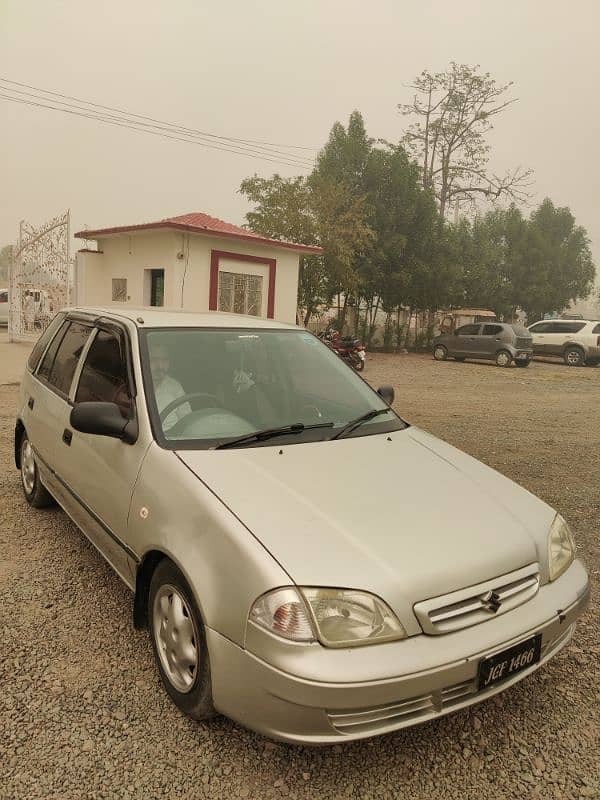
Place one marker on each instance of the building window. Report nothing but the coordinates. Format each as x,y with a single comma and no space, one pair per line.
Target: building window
154,287
241,294
119,290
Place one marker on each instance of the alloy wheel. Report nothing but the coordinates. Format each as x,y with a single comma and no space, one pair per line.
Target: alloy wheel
176,637
27,467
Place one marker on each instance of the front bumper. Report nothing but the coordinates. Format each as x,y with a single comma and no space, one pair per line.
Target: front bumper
309,694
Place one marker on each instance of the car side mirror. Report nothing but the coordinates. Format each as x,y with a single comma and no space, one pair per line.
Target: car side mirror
103,419
386,393
455,332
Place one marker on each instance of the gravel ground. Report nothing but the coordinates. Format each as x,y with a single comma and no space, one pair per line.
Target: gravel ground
82,713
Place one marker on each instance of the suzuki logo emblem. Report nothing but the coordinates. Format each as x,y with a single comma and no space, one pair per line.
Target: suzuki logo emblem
491,601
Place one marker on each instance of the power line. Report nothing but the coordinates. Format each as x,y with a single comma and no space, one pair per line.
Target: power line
168,127
162,122
241,150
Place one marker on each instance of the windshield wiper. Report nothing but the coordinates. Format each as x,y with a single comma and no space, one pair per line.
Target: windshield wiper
270,433
354,423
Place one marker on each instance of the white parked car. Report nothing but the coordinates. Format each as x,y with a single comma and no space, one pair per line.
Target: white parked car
576,341
306,561
3,306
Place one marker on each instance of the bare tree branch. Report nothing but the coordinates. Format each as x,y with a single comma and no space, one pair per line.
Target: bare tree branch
454,112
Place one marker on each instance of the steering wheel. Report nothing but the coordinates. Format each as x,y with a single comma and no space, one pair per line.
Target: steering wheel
179,401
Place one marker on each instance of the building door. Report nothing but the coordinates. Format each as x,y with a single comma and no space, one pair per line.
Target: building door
157,287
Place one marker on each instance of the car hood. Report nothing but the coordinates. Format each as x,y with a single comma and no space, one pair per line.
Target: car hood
402,515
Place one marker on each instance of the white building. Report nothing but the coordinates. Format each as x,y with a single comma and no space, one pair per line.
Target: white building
195,262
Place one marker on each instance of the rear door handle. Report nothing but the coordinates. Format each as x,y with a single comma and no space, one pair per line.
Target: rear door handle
31,402
67,436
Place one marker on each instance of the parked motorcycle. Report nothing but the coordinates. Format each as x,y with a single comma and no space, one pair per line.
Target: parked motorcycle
351,350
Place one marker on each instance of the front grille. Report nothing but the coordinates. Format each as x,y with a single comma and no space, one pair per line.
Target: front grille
478,603
426,706
524,342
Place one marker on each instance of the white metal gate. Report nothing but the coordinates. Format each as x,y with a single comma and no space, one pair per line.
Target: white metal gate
40,277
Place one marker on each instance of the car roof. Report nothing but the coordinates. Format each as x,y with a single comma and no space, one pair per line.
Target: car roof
175,318
567,321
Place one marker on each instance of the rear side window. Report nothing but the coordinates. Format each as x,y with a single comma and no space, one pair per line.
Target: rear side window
104,375
42,342
567,327
596,329
48,360
492,330
66,357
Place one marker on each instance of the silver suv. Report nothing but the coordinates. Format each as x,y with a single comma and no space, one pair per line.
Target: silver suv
494,341
576,341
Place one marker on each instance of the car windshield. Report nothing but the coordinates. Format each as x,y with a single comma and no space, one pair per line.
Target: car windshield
206,386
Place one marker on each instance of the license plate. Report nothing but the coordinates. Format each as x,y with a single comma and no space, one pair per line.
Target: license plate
504,665
522,356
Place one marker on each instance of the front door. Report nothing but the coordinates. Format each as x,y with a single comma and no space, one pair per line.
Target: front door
540,337
99,470
465,344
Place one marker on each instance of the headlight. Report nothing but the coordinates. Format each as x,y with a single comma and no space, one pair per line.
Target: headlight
346,618
337,617
561,547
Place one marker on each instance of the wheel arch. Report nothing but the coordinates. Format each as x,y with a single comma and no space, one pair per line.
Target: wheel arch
146,568
143,577
19,431
572,345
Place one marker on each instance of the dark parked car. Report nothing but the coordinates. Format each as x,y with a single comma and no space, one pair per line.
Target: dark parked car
495,341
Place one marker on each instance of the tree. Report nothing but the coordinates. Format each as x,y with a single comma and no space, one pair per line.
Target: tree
316,212
559,258
338,181
454,112
480,247
283,209
5,257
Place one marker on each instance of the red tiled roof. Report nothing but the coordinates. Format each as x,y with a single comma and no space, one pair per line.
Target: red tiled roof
197,222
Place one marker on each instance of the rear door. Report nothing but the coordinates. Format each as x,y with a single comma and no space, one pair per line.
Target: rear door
466,341
560,334
489,341
47,402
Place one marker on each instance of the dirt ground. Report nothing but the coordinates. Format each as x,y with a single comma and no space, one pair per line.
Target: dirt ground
82,712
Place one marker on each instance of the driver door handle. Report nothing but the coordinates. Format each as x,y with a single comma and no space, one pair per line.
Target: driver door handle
67,436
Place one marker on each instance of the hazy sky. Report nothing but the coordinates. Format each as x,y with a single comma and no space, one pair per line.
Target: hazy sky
279,71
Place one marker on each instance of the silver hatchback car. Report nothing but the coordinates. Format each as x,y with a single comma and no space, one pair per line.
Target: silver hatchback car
273,517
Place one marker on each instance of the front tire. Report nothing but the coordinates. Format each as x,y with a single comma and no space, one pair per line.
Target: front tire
574,357
440,353
35,492
179,642
503,359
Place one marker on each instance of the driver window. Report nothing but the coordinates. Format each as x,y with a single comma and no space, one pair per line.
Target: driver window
104,374
468,330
